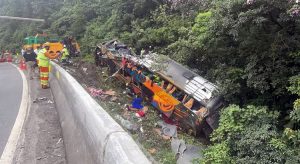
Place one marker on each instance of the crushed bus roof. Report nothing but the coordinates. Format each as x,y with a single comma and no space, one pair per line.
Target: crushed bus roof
187,80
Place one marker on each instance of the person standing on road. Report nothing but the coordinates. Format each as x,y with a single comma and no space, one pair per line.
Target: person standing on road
43,63
65,55
36,51
29,57
22,51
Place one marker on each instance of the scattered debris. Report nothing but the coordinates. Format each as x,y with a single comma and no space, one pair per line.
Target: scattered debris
84,70
141,129
185,154
39,158
144,129
191,153
42,99
114,98
152,151
84,85
159,132
99,92
126,123
140,114
168,129
95,92
110,92
58,141
178,146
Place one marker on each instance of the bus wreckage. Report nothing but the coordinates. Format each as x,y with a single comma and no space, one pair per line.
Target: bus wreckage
184,97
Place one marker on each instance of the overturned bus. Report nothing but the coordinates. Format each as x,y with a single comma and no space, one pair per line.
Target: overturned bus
185,98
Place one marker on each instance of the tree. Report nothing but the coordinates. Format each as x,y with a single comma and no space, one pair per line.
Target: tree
250,135
249,48
295,89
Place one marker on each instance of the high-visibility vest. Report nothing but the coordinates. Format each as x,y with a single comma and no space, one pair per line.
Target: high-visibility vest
65,54
43,60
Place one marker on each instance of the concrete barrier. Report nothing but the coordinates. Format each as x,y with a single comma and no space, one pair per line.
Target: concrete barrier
90,133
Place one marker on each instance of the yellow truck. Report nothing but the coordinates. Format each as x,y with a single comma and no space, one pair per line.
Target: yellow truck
56,45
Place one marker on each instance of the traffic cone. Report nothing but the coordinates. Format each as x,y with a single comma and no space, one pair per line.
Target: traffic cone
22,65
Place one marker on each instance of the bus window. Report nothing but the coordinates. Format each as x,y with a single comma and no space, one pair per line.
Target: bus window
189,103
169,87
172,90
147,73
184,98
147,78
128,68
147,92
157,80
201,112
142,78
196,106
139,77
133,71
136,83
179,95
166,83
162,84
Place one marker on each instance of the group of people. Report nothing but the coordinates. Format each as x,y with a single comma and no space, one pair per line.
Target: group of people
5,55
41,58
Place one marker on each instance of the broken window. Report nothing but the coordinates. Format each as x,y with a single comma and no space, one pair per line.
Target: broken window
189,103
178,94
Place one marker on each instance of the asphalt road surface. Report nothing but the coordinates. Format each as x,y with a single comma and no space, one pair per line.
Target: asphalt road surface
11,87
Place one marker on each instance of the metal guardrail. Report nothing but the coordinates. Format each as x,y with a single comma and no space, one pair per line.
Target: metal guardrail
90,133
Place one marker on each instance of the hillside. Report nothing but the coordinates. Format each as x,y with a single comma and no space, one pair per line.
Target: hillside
250,48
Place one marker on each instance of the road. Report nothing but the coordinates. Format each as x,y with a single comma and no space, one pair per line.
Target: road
11,87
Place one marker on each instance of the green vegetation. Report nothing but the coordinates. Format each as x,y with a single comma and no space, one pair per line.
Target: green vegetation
250,135
250,48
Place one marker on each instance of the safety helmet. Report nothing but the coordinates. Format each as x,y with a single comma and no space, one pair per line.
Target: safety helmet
47,44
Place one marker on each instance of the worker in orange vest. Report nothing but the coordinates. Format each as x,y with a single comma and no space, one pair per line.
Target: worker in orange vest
43,63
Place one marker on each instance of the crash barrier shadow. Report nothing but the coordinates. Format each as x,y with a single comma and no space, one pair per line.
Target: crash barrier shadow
90,134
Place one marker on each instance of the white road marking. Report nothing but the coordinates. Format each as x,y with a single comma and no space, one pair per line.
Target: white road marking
11,145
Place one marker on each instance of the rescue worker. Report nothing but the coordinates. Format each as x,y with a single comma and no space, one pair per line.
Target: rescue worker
65,55
43,63
36,51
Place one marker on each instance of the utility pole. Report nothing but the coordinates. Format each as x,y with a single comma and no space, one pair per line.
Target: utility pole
21,18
